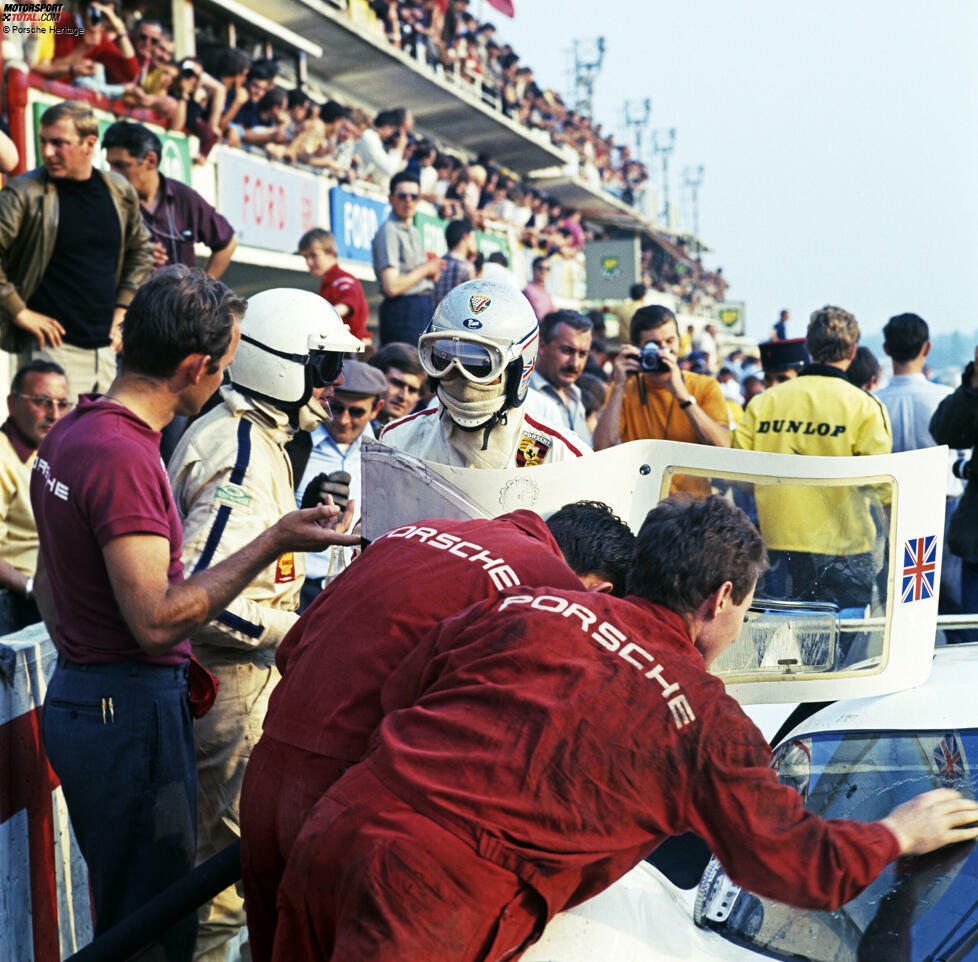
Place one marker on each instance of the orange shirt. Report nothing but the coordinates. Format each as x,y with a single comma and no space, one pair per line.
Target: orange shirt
661,417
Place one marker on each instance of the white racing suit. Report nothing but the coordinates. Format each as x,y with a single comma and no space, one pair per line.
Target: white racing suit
232,480
522,441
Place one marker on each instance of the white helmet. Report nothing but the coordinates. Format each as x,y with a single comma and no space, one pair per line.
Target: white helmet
484,328
291,342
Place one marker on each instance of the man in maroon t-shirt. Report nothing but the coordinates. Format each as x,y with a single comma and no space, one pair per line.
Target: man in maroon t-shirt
537,746
117,725
339,287
335,659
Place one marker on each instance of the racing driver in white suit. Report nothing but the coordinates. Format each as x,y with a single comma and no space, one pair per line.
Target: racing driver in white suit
481,348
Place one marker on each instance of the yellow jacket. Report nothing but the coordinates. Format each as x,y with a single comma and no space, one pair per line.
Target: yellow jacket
818,413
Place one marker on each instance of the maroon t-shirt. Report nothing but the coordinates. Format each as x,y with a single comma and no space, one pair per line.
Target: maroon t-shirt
338,654
97,476
340,287
565,734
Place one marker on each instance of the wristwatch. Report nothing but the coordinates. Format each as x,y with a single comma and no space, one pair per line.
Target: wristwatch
687,403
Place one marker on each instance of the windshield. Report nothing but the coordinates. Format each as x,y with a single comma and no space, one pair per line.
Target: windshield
919,910
822,605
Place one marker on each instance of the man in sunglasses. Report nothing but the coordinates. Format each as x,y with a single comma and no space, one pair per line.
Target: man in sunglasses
38,399
334,464
232,479
480,349
404,272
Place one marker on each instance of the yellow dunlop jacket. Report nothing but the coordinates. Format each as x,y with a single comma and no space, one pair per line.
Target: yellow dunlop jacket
818,413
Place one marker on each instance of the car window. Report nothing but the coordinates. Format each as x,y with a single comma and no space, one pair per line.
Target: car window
918,910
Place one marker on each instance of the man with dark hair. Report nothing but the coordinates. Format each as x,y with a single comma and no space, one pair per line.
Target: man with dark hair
537,746
117,725
565,342
38,398
73,249
864,371
536,293
176,215
404,272
325,708
258,82
405,378
378,162
831,555
655,398
457,263
910,398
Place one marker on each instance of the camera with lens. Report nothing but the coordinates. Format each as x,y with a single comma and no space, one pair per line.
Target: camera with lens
961,468
94,16
187,72
650,360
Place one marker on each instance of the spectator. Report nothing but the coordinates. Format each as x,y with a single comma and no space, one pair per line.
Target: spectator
910,398
783,360
780,330
535,292
832,555
864,371
231,69
337,286
404,271
626,309
176,215
457,267
657,399
334,464
499,761
483,376
281,377
955,423
111,589
593,390
146,36
376,162
65,283
38,398
269,129
565,342
259,81
99,33
200,103
496,268
405,377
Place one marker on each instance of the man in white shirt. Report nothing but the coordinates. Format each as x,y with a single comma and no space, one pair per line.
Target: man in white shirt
334,463
910,398
565,340
377,162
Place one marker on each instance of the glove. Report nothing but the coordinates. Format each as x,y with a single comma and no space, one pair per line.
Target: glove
336,485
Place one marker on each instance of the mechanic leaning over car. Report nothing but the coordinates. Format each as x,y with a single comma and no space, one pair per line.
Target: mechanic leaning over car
538,745
337,657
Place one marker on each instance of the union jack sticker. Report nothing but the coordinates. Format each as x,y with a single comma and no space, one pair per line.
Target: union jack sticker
948,760
919,569
478,303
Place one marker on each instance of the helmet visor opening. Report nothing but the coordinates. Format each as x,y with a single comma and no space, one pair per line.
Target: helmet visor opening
325,367
480,363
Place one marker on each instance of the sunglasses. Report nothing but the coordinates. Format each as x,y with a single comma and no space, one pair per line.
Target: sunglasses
146,38
401,195
339,409
43,401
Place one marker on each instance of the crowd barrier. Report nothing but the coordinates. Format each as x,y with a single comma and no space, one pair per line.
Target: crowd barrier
45,910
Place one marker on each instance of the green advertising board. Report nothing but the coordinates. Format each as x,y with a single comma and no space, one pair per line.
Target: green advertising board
432,231
174,163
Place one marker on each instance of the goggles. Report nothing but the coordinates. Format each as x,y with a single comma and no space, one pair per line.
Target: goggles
479,361
324,366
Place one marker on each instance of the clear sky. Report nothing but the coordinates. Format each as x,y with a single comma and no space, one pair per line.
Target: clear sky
839,139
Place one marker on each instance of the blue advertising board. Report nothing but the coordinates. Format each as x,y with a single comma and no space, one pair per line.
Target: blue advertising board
354,221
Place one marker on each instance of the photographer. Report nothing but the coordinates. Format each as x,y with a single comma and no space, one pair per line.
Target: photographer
955,423
651,397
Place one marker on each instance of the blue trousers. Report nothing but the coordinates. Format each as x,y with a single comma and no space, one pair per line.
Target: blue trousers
404,318
120,739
